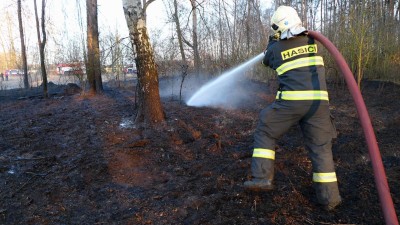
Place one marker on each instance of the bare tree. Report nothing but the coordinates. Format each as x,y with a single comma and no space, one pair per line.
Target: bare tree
93,67
42,44
304,9
23,48
195,44
82,29
150,108
179,32
11,56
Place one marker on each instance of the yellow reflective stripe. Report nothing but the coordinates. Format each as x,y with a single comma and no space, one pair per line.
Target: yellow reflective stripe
264,153
324,177
303,95
297,63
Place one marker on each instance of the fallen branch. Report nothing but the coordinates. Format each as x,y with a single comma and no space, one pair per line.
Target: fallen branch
37,158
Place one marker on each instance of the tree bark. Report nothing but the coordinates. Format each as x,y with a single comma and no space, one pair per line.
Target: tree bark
11,56
42,44
249,22
23,47
179,32
150,109
93,67
391,9
304,9
197,64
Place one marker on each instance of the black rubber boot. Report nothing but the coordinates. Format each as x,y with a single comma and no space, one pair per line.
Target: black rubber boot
328,195
258,185
332,205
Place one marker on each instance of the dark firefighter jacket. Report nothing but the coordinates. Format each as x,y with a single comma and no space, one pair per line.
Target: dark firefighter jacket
300,69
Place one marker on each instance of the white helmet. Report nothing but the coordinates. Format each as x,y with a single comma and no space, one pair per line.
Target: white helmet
285,18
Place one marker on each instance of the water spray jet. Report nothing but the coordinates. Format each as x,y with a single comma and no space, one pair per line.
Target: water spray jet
210,93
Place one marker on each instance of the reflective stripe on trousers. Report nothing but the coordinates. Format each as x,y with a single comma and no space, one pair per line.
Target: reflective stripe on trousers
303,95
264,153
324,177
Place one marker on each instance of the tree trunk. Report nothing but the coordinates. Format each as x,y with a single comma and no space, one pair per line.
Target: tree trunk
93,67
179,32
42,44
231,32
197,64
12,56
360,63
304,10
150,108
391,9
322,16
247,28
23,48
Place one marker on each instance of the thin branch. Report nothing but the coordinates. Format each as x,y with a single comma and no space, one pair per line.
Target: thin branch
187,42
147,4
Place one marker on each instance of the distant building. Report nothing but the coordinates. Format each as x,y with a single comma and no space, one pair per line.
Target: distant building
76,68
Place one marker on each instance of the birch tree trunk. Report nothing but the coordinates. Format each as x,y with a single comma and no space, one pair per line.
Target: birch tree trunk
150,109
23,47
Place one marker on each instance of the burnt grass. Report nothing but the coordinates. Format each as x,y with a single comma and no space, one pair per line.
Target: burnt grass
74,159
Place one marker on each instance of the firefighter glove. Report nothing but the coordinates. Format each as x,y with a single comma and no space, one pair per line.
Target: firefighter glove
271,40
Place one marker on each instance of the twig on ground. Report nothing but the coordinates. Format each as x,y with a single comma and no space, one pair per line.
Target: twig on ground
36,158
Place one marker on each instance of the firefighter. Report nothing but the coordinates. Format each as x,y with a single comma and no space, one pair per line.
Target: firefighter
302,98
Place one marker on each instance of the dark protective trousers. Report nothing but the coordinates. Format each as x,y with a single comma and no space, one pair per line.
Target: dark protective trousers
318,130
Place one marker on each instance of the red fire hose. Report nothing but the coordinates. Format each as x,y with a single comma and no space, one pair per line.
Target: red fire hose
387,206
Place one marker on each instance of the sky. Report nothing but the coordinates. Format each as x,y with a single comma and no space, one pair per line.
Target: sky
63,20
63,16
63,26
111,13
